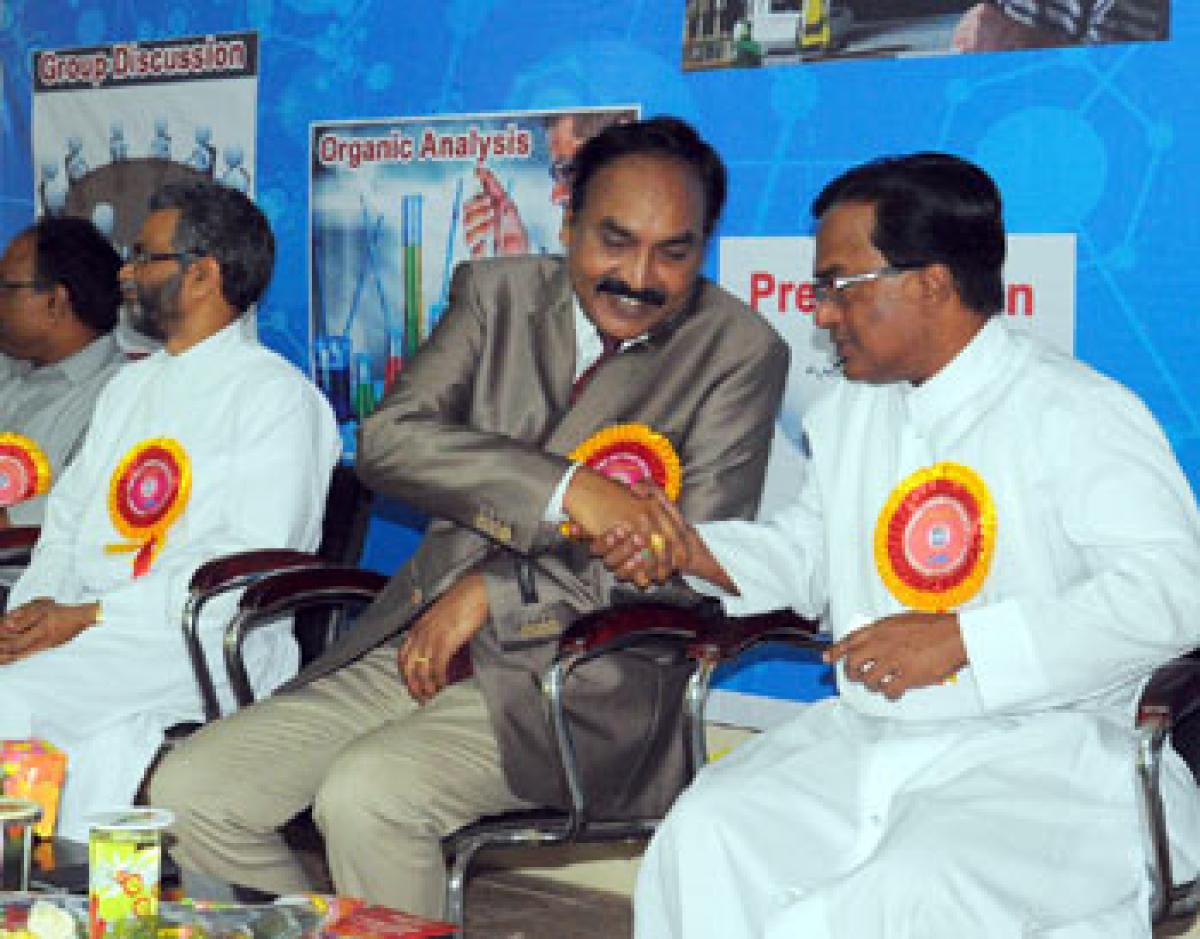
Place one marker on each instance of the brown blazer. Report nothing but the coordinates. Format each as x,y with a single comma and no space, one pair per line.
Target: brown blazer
475,434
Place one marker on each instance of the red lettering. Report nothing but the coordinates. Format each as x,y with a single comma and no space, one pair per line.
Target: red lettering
784,289
762,285
1019,300
806,301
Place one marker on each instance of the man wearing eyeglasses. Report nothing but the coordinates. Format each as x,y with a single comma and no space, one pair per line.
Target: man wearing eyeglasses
59,299
1004,548
210,446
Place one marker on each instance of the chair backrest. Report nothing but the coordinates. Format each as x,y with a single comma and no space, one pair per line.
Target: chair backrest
343,533
347,514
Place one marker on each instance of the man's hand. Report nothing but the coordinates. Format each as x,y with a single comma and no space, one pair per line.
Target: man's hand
661,544
42,624
901,652
491,219
986,28
628,522
439,632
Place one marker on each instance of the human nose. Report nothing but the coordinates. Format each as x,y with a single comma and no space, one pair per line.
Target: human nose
826,312
637,269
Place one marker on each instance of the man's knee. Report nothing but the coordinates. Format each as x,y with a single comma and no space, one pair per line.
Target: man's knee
363,790
918,888
184,784
700,811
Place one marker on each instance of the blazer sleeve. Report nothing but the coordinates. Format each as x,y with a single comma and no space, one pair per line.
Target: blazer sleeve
421,446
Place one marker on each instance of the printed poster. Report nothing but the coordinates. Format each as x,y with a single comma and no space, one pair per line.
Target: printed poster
396,204
751,33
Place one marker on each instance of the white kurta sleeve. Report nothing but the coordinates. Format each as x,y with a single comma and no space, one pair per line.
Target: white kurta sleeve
283,449
1132,601
776,564
51,571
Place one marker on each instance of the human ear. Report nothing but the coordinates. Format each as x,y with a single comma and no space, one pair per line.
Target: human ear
937,284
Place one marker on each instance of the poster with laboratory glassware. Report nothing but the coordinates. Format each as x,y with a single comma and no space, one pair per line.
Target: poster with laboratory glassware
396,203
112,123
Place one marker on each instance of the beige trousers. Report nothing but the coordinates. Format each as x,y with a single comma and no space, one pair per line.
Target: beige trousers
387,779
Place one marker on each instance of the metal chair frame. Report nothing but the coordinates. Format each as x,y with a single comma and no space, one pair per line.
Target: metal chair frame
1170,700
704,636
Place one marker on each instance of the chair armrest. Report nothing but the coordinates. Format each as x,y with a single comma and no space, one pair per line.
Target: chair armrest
16,542
218,576
702,632
1172,693
214,574
711,633
277,595
731,636
618,627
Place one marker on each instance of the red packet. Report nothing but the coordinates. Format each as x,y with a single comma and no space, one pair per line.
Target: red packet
380,922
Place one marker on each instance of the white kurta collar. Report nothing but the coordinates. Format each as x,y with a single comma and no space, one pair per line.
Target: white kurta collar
962,379
203,355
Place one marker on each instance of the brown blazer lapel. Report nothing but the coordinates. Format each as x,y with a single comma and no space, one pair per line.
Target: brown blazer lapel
615,385
554,338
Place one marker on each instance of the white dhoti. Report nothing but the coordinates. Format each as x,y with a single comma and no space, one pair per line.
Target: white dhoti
841,826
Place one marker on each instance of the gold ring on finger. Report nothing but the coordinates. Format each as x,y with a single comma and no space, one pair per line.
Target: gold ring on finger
658,543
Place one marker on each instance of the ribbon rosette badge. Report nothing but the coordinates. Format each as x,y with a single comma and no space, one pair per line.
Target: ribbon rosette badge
632,453
148,492
24,470
935,538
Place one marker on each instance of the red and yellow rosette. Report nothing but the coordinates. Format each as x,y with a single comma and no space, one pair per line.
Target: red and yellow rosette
148,492
632,453
24,470
935,538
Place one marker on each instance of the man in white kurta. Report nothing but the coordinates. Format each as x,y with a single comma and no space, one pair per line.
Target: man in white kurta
259,441
990,792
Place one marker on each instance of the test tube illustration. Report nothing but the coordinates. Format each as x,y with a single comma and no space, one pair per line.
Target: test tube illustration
438,307
364,385
395,356
410,242
337,376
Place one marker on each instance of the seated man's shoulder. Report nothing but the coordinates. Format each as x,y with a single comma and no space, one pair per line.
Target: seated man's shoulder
730,312
521,267
1076,387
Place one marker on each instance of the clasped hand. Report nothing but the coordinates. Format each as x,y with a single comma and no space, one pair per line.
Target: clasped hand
636,530
41,624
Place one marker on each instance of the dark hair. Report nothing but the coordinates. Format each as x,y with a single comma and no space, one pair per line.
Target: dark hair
224,224
72,252
658,136
932,208
587,124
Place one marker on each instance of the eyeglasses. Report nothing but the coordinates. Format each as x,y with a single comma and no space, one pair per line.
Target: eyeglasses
139,256
831,289
6,284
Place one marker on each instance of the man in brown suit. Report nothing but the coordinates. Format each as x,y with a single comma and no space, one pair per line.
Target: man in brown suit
476,434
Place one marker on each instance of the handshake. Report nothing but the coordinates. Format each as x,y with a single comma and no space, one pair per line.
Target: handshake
637,531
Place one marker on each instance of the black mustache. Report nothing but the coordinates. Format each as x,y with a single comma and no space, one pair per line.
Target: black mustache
619,288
